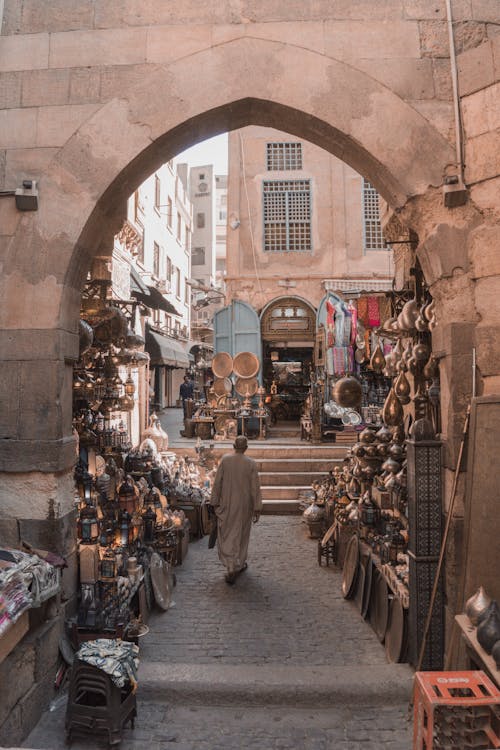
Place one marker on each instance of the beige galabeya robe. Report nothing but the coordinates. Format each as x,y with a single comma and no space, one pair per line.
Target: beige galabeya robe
236,497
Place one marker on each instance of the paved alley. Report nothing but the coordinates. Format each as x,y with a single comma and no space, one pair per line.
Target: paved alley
279,660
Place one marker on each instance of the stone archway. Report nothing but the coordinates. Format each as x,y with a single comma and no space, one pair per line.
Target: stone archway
113,146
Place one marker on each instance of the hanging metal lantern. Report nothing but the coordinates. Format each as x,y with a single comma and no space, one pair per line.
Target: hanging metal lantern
109,565
127,496
88,525
392,412
129,385
149,518
377,361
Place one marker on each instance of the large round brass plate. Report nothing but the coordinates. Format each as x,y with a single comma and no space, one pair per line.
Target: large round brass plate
222,386
360,584
379,608
222,365
350,570
245,365
395,637
246,386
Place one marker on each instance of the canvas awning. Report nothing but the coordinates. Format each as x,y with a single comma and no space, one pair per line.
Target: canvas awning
165,351
149,295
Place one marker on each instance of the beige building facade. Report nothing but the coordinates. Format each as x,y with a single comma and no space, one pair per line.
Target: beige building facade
300,222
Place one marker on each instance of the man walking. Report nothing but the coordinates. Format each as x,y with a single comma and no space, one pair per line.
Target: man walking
186,392
237,500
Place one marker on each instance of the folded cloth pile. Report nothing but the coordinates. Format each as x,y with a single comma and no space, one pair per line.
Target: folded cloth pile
119,659
25,581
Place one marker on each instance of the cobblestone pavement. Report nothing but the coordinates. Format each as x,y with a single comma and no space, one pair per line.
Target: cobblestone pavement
284,610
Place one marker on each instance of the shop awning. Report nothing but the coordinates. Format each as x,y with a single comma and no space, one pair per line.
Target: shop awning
149,295
165,351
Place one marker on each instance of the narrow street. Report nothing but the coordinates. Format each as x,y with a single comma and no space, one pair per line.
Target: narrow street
279,660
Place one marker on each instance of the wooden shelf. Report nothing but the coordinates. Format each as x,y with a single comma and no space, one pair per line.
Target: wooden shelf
13,635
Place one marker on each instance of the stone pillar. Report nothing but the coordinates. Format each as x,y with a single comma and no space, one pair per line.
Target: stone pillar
37,449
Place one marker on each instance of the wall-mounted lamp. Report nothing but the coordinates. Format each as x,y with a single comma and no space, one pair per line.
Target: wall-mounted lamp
26,197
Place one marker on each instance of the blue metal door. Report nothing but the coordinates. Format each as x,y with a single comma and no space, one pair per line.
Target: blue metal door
237,329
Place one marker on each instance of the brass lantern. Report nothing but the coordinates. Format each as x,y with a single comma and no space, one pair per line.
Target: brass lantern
108,565
127,496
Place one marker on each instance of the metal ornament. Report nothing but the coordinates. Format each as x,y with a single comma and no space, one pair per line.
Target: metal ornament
402,388
392,412
377,361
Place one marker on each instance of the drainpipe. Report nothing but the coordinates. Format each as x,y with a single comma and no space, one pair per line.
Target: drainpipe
454,190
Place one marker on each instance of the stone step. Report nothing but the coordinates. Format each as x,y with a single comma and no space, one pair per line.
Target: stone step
323,465
283,492
287,477
281,507
275,684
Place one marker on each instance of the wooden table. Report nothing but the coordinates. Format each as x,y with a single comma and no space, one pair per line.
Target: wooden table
478,657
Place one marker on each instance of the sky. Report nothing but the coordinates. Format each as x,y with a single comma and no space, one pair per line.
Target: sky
212,151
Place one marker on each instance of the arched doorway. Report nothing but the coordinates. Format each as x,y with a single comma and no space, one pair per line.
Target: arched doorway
288,336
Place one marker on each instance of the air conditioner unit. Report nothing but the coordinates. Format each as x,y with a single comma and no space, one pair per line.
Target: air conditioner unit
163,286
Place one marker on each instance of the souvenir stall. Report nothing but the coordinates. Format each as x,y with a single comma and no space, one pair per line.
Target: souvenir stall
379,516
132,503
235,402
349,345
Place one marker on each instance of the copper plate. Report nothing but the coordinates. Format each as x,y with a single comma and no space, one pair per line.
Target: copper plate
246,386
222,365
350,570
360,584
246,365
395,637
379,610
222,386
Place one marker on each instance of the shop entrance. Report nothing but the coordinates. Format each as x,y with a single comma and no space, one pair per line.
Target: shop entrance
288,332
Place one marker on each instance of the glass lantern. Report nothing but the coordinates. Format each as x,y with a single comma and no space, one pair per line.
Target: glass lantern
108,565
88,525
149,518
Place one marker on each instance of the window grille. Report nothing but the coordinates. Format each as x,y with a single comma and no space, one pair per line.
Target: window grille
168,273
179,227
287,216
282,156
169,212
373,239
157,192
200,220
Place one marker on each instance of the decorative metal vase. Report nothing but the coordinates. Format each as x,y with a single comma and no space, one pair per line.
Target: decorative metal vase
488,630
476,605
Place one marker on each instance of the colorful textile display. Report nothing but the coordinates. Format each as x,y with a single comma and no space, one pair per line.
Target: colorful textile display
25,581
373,312
119,659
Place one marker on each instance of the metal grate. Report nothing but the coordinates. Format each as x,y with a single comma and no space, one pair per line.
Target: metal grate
282,156
287,215
372,230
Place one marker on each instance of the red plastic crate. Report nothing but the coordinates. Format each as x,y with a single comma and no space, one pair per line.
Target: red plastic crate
449,704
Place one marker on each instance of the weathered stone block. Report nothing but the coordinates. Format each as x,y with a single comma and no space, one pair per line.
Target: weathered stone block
21,663
11,21
45,643
167,43
35,455
442,79
424,10
10,390
487,340
120,78
434,39
55,533
56,124
487,300
58,15
17,127
45,87
36,701
444,251
26,164
454,337
495,48
24,52
482,157
379,40
75,49
475,68
9,532
84,86
409,79
485,10
10,90
9,216
484,244
475,114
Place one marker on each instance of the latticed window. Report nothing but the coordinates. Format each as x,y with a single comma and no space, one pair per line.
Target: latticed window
373,239
281,156
287,216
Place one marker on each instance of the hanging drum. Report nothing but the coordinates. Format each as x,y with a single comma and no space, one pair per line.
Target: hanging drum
222,386
246,387
350,569
246,365
222,365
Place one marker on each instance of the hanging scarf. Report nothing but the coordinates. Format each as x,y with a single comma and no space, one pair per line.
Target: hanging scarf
373,312
363,310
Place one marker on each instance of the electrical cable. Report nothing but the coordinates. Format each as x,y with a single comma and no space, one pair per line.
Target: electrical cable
249,215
